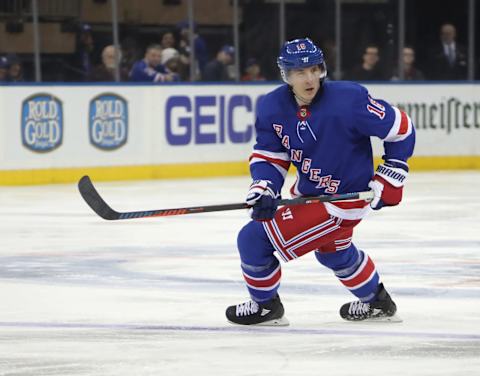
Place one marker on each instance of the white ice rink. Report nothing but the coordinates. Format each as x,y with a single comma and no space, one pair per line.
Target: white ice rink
83,296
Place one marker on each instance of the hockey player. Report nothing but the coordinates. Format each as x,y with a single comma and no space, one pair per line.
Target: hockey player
323,128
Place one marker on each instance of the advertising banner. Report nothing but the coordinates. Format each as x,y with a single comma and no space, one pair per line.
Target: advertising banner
63,127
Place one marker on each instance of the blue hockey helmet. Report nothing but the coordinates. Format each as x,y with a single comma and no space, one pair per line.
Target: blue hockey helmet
298,54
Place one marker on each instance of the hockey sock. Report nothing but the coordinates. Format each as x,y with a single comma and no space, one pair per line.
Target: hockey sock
355,270
261,269
262,281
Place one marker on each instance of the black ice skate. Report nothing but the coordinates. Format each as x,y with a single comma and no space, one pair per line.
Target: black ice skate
382,309
270,313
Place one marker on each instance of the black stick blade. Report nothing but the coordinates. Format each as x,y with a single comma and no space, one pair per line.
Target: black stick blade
95,201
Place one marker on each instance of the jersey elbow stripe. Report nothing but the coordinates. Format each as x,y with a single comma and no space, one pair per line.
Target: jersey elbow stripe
283,156
402,127
283,171
281,159
280,164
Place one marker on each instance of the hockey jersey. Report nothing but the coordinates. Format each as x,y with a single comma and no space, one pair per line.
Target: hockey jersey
328,141
142,72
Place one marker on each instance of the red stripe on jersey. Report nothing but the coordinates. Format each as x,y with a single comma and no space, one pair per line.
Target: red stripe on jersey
403,124
363,276
264,282
280,162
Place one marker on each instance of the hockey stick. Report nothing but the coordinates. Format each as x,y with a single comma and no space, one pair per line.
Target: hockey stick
99,206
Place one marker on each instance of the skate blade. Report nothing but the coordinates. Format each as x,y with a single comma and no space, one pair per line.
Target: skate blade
394,318
283,321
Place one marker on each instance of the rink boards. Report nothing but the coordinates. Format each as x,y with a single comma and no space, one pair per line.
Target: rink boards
59,133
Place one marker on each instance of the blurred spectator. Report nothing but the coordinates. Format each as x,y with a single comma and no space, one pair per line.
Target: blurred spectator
105,72
200,50
448,60
3,69
150,69
370,69
130,52
410,72
81,65
217,69
15,69
167,40
252,71
171,61
330,52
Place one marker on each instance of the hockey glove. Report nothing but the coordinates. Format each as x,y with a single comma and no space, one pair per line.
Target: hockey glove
263,200
387,183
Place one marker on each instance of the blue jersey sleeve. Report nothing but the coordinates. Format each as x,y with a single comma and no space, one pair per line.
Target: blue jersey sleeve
269,159
376,117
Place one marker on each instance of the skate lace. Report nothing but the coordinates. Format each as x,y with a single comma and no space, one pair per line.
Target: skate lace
247,308
359,308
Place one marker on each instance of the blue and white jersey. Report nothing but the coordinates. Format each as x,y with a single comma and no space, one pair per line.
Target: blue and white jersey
142,72
327,141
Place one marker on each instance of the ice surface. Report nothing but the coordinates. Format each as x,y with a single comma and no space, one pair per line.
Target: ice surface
83,296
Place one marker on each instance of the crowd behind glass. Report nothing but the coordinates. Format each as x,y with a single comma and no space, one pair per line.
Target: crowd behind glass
165,56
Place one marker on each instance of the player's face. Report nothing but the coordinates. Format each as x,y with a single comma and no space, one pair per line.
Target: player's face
305,82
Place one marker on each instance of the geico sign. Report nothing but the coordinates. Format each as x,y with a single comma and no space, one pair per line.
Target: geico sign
209,119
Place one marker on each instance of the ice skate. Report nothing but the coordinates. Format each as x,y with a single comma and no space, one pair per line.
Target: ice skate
382,309
270,313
